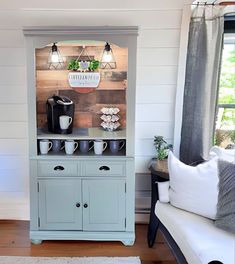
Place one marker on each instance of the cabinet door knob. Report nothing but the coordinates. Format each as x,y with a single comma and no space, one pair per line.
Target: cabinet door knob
59,168
85,205
105,168
78,205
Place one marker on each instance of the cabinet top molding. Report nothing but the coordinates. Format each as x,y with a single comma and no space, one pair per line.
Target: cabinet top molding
96,30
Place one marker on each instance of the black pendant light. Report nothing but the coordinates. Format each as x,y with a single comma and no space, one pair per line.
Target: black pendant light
107,59
55,60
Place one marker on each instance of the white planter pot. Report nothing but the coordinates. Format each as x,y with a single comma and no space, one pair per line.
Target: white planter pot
84,79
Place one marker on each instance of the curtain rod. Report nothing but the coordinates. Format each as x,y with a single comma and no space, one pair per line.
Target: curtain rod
226,3
214,3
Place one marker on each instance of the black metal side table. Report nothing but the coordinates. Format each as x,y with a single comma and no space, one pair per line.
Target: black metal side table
156,176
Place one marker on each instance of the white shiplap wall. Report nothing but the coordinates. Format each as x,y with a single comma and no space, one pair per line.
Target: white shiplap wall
13,126
158,44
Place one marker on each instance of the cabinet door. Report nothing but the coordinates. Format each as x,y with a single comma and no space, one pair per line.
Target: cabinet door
60,204
103,205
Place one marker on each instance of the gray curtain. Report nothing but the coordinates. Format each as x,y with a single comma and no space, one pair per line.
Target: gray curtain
201,85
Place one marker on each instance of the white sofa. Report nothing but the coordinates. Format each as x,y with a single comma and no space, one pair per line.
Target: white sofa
196,236
183,212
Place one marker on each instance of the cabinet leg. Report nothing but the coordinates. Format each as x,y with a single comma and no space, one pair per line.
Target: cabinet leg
36,241
128,242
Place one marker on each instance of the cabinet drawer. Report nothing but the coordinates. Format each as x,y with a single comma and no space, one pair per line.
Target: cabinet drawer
104,168
57,168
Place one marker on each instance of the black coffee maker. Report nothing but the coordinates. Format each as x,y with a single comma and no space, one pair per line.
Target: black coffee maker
56,107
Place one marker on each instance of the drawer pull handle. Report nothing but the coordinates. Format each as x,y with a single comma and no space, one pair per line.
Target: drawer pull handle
59,168
85,205
78,205
105,168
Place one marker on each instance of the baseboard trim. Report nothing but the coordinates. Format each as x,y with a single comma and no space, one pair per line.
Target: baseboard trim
142,218
16,211
20,211
15,207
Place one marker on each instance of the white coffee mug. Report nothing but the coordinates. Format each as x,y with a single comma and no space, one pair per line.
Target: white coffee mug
70,146
45,145
65,121
99,146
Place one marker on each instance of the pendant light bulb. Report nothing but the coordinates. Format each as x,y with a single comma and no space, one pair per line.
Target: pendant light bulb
55,60
107,60
54,57
107,57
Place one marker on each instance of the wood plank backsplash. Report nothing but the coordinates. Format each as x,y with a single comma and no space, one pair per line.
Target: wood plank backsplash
110,92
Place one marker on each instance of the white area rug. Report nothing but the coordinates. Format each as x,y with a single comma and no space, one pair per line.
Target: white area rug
68,260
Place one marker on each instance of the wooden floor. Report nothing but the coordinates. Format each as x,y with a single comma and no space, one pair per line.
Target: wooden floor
14,241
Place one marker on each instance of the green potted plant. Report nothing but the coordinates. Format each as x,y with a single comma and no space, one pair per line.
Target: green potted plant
94,65
73,65
162,149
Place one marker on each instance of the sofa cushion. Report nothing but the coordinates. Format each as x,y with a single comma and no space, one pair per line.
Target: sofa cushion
197,237
194,189
225,154
225,217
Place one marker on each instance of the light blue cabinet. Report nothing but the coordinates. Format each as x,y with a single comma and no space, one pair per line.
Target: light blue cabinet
88,205
60,204
79,197
105,200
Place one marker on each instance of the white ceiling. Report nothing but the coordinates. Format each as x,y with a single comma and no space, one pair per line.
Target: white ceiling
93,4
98,4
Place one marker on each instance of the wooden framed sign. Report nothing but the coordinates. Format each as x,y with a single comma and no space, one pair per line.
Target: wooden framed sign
84,79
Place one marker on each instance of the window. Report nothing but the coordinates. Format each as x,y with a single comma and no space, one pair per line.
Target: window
225,123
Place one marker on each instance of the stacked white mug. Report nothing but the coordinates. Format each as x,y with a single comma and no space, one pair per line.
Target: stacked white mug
70,146
99,146
45,145
65,121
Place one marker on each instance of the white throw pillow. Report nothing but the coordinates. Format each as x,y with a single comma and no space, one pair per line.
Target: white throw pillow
163,191
194,189
225,154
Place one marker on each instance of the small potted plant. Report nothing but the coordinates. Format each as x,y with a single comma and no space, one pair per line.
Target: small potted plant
162,149
73,65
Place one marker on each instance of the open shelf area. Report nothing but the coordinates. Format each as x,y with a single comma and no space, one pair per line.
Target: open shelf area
83,134
78,154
